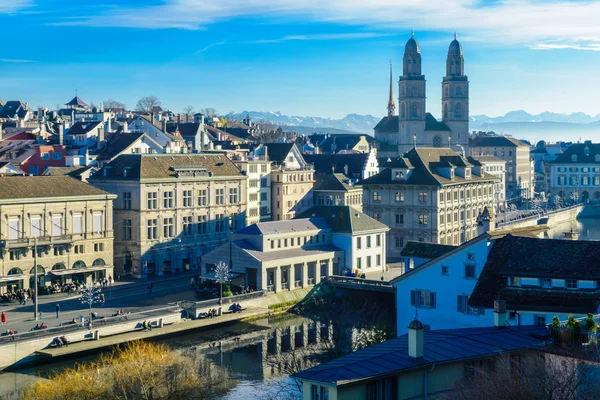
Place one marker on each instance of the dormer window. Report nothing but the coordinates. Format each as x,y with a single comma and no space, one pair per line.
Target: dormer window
546,283
468,173
574,158
586,150
597,157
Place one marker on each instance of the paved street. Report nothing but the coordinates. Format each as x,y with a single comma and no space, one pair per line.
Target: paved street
132,296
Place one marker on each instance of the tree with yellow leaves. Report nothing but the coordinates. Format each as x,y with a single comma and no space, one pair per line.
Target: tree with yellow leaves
138,370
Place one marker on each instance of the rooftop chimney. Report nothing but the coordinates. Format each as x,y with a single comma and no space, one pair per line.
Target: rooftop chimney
61,133
500,313
164,125
416,334
178,118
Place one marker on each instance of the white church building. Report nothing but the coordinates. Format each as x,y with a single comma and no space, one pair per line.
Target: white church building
413,126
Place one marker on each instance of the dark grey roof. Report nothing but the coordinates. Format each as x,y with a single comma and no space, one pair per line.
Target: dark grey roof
326,163
82,128
76,101
441,347
329,181
277,152
387,125
393,162
342,141
432,124
277,227
425,161
539,258
425,250
156,166
13,109
583,156
344,219
496,141
117,143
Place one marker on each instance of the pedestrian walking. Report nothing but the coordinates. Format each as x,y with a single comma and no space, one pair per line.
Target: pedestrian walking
192,282
57,310
69,290
40,314
3,318
150,288
102,300
110,280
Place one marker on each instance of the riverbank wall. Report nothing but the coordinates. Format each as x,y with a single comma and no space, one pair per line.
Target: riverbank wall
21,352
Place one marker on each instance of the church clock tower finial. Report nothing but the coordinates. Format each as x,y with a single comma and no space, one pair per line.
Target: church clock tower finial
391,107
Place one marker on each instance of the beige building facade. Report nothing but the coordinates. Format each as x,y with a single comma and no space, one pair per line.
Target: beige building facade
430,195
67,222
172,209
520,179
258,171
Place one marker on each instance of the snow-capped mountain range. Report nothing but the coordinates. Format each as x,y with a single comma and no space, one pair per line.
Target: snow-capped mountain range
547,125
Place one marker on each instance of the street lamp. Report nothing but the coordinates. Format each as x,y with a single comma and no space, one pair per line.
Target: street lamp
91,295
221,275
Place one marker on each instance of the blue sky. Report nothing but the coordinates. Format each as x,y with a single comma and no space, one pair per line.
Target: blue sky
303,57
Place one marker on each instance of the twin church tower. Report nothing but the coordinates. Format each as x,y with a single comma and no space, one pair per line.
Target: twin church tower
412,125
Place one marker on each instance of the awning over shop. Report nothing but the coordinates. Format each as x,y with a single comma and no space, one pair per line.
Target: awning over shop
61,272
15,277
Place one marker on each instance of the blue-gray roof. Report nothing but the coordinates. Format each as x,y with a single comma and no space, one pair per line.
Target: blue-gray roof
441,347
274,227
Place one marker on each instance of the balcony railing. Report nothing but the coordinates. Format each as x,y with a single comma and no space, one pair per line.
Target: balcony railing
285,285
41,241
311,281
270,288
297,284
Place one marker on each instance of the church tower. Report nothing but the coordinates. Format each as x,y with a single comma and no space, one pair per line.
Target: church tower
455,97
411,98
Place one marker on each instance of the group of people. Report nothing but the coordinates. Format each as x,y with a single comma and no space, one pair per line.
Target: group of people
147,325
235,307
62,288
9,332
37,327
22,295
106,281
212,313
245,289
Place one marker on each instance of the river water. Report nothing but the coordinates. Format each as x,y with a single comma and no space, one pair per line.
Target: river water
245,348
249,350
588,228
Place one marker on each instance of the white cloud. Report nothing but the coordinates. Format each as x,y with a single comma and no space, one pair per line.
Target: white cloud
326,36
11,6
526,22
14,60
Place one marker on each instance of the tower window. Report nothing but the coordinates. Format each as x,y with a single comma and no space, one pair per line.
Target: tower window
457,111
459,91
445,111
415,111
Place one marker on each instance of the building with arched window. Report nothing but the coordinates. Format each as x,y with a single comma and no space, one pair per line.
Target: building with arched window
59,224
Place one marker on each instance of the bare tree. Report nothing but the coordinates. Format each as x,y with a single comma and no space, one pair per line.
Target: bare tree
188,112
90,295
534,376
209,112
147,103
270,132
111,104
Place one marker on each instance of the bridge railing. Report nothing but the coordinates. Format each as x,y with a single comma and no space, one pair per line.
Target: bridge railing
359,281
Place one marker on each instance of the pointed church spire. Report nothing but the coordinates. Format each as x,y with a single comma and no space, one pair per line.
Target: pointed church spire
391,107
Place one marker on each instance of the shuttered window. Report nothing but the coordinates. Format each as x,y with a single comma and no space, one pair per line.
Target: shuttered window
422,298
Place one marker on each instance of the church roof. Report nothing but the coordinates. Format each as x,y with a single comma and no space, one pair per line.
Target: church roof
432,124
387,124
76,101
455,47
412,45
